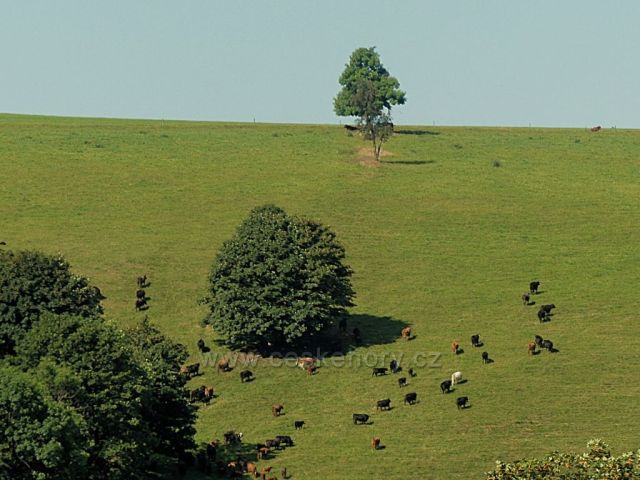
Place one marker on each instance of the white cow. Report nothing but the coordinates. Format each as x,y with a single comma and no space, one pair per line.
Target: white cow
456,378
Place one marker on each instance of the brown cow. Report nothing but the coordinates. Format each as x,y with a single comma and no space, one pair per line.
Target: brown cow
264,471
311,369
455,345
263,453
531,348
596,129
406,333
305,362
223,365
375,443
276,409
252,469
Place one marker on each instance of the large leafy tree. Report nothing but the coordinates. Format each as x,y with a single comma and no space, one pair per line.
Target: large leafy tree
279,282
32,283
368,93
596,463
40,438
131,401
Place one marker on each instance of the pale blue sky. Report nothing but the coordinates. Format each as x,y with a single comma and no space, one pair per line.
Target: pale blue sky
484,62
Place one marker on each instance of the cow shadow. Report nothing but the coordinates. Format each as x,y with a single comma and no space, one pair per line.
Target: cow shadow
408,162
530,304
553,350
460,351
416,132
489,360
479,344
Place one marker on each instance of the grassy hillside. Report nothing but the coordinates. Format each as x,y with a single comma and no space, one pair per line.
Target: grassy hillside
439,238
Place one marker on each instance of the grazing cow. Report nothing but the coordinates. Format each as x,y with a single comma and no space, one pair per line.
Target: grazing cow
232,437
533,286
383,404
223,365
207,395
246,376
190,370
542,315
548,344
548,308
305,362
410,398
350,128
446,386
141,304
455,346
375,443
252,469
485,357
539,340
402,382
264,471
379,371
298,424
475,340
311,369
360,418
461,402
201,345
197,394
285,440
141,293
406,333
277,409
263,453
456,378
142,281
596,129
531,348
272,443
412,373
393,366
525,298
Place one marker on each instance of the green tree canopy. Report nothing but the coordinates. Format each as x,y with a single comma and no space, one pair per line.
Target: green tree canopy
32,283
368,93
40,437
127,392
596,463
278,282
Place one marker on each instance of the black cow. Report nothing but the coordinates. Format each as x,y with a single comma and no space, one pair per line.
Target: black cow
379,371
190,370
412,373
142,281
548,308
539,340
485,357
285,440
446,386
141,304
201,345
533,286
461,402
402,382
548,344
273,443
231,437
246,376
525,298
383,404
350,128
197,395
393,366
298,424
342,325
475,340
141,293
410,398
360,418
542,315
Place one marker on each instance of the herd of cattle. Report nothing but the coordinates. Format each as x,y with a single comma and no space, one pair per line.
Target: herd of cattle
208,458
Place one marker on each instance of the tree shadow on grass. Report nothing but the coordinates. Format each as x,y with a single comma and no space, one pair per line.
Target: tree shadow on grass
408,162
416,132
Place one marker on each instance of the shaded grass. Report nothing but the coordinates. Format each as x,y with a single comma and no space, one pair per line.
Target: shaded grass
447,246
